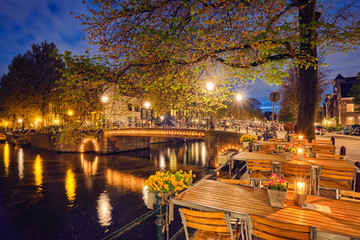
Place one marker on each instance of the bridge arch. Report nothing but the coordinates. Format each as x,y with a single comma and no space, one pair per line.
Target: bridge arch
89,145
229,147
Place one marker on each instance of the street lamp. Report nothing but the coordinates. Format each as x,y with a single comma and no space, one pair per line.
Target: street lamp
147,106
104,100
20,121
210,87
239,98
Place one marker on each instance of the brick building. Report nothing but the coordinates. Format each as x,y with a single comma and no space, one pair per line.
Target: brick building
339,107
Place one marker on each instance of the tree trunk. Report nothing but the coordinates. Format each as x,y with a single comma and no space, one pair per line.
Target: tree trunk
308,84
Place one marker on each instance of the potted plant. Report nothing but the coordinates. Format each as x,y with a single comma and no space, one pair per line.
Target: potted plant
246,139
165,183
289,151
277,189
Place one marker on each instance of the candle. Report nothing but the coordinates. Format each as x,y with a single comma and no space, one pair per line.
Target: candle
300,194
300,153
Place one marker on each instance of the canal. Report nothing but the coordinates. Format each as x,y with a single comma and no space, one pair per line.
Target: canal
45,195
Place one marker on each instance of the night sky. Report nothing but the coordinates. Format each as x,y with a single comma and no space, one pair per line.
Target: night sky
24,22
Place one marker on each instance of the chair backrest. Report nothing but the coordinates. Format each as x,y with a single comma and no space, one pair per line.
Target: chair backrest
235,181
292,172
218,222
332,156
349,195
317,141
276,140
264,228
337,173
322,148
259,165
267,148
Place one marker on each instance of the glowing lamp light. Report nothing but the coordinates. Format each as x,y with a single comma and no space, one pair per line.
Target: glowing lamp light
70,112
238,97
300,195
210,86
147,105
104,99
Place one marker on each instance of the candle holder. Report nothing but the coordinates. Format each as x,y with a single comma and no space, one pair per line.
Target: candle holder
300,154
300,193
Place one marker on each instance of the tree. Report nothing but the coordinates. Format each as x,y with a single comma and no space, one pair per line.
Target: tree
157,42
290,94
355,93
30,84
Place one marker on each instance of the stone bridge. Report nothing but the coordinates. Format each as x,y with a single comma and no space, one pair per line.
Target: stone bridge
110,141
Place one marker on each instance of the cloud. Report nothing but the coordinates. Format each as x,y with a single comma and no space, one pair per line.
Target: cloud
23,23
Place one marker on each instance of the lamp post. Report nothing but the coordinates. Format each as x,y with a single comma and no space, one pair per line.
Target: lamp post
239,98
21,125
210,87
104,100
147,106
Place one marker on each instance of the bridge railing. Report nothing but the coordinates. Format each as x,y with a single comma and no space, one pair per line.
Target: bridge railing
160,210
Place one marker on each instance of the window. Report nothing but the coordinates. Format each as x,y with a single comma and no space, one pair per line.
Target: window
350,107
350,121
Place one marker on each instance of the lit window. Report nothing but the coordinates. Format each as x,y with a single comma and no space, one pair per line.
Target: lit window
349,120
350,107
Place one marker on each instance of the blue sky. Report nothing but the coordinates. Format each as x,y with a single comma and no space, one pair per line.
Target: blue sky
24,22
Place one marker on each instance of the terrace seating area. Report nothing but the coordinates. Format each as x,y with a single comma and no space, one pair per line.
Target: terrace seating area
330,186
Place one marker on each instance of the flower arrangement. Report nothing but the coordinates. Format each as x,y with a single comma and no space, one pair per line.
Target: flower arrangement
248,138
289,148
277,183
292,135
166,182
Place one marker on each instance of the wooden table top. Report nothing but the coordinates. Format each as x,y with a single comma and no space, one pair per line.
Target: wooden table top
344,218
243,156
259,156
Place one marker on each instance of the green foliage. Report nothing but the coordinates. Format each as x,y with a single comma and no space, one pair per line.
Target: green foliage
355,92
30,84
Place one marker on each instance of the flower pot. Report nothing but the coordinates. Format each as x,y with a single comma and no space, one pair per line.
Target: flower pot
289,156
245,144
277,198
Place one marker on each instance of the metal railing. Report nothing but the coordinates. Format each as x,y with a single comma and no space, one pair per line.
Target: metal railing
160,210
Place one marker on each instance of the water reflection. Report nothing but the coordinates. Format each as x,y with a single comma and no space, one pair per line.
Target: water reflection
21,164
128,181
70,185
89,167
162,162
38,172
6,158
104,209
173,161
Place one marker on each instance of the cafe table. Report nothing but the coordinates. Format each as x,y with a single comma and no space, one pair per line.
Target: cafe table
331,217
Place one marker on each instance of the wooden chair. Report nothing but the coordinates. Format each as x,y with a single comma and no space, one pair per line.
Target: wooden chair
210,225
276,140
267,148
319,142
291,172
235,181
259,170
322,148
264,228
331,156
336,178
349,195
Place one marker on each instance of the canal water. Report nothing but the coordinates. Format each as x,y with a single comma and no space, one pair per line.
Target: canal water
46,195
